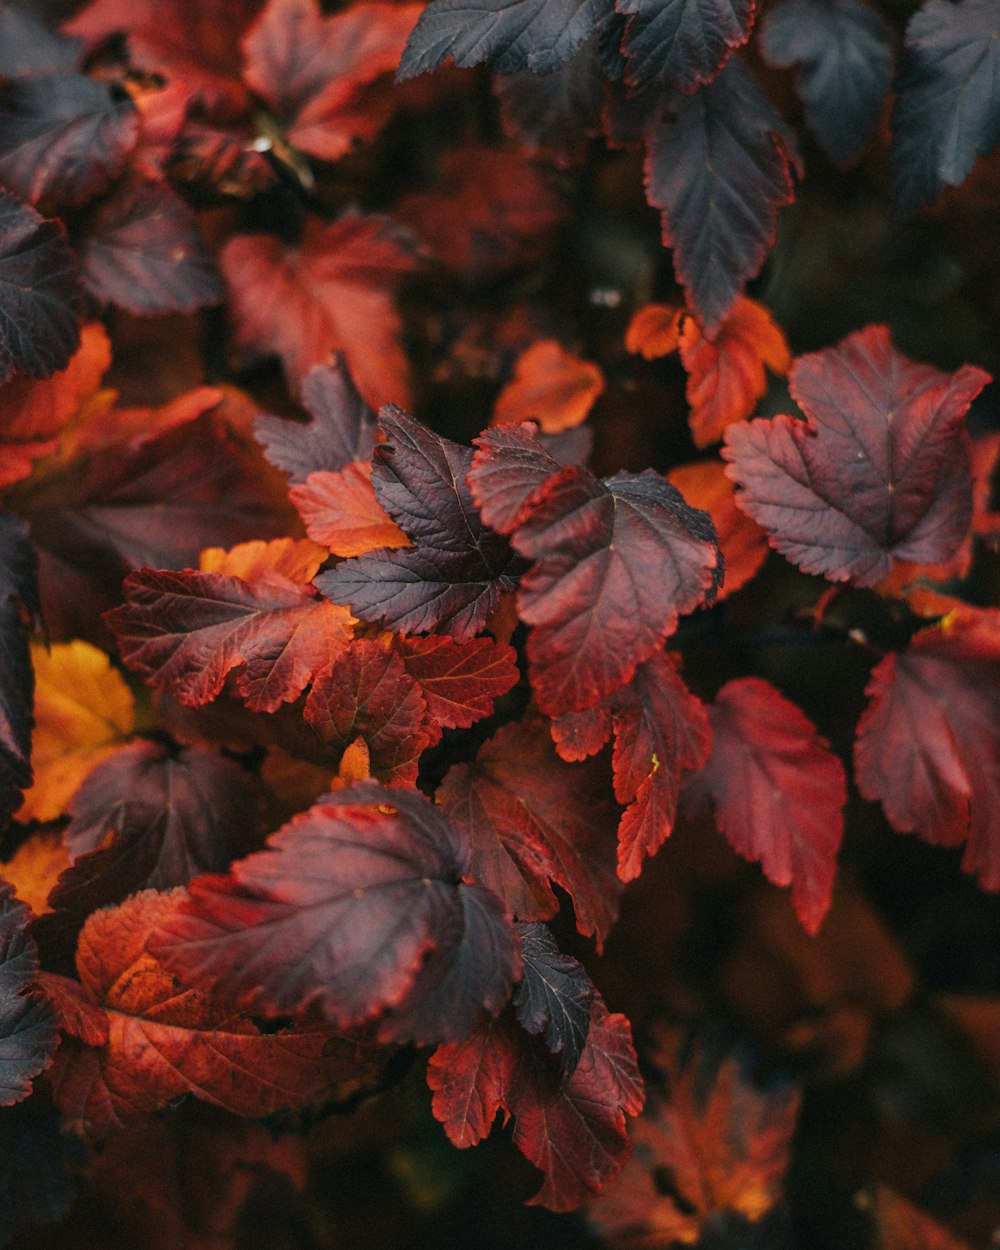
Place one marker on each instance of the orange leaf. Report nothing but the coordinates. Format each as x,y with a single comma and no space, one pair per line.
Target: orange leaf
34,868
298,559
340,511
743,542
654,331
726,374
83,710
550,386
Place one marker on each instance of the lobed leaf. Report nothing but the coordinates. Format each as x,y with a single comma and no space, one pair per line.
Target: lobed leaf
553,999
682,43
28,1033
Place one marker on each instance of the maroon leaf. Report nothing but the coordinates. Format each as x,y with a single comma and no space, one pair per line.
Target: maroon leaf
63,137
341,428
39,293
459,681
719,172
142,251
682,43
187,632
575,1133
879,472
843,52
557,113
368,694
927,745
538,35
614,564
28,1034
946,111
530,819
351,904
554,997
452,578
778,792
18,593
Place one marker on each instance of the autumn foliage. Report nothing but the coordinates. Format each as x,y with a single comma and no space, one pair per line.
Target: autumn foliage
497,544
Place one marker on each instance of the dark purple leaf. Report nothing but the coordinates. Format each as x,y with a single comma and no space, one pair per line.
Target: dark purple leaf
509,35
28,1032
947,98
554,996
682,43
39,293
719,171
143,252
843,53
18,590
28,46
63,137
557,113
340,431
451,579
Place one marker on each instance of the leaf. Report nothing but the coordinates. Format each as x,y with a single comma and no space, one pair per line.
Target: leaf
297,559
27,1024
777,791
313,70
556,114
64,138
550,386
353,903
880,470
902,1226
187,632
33,413
340,429
726,373
18,594
165,1041
719,172
531,819
842,51
451,579
368,694
744,544
29,46
340,511
947,108
332,293
654,331
489,211
459,681
707,1143
83,710
682,43
614,564
575,1133
554,997
509,35
39,293
35,866
925,744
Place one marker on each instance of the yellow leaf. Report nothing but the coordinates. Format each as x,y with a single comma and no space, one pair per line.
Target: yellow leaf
34,868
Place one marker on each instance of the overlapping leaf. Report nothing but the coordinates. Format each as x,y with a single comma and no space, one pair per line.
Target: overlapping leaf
531,819
29,46
18,593
164,1041
947,109
614,563
682,43
842,51
553,1000
879,472
719,170
359,906
927,745
777,790
339,510
333,292
459,681
574,1132
550,386
744,544
557,113
451,579
509,35
27,1023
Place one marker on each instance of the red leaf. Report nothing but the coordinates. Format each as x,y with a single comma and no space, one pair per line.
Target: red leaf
186,632
313,70
778,792
368,694
164,1041
357,905
334,292
744,544
614,564
530,819
927,745
550,386
574,1132
340,511
459,681
682,43
27,1023
902,1226
879,472
726,373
